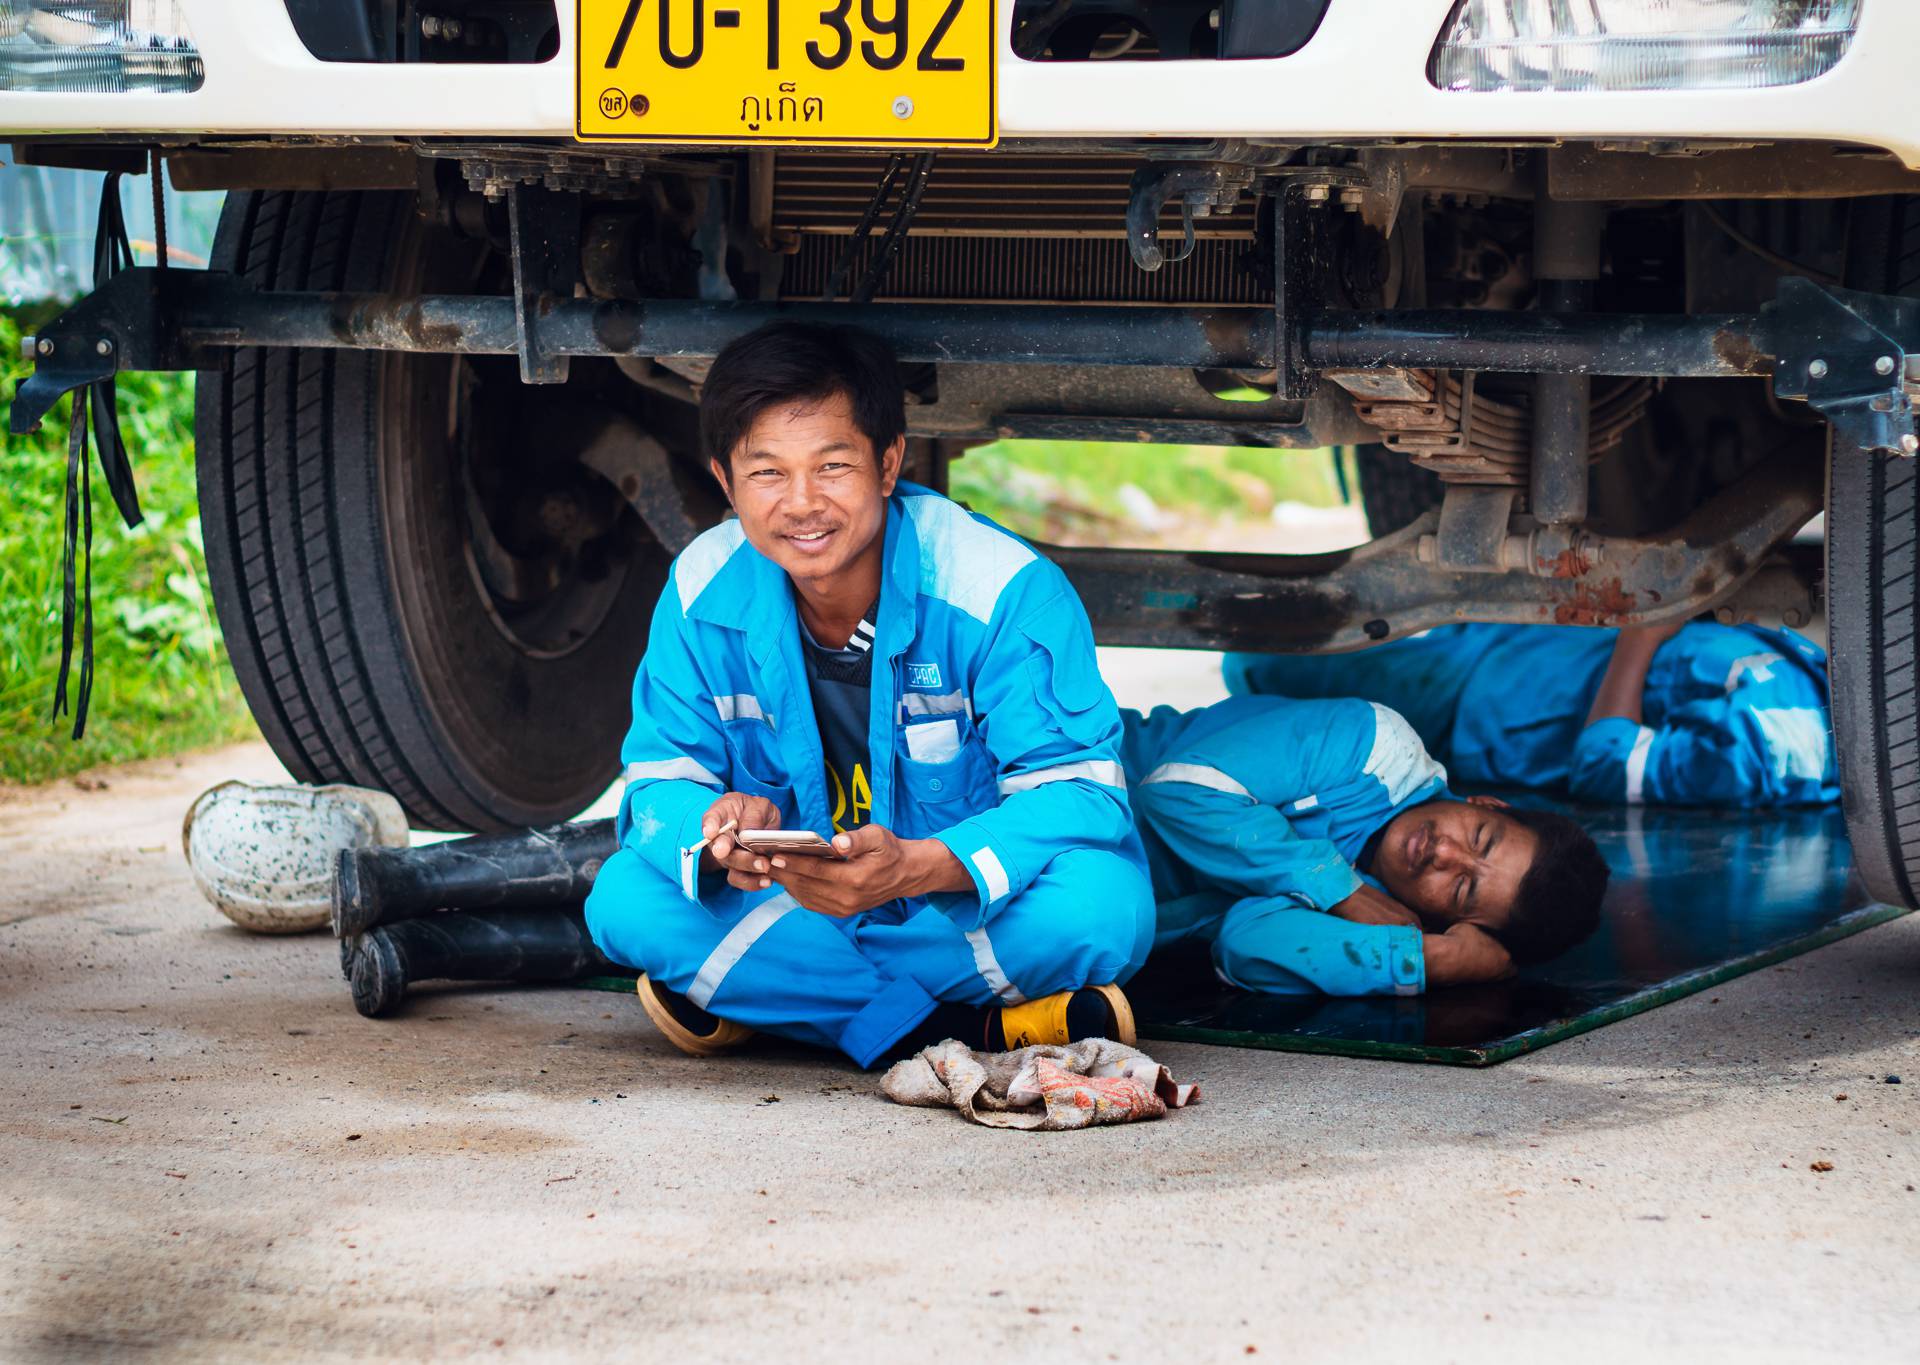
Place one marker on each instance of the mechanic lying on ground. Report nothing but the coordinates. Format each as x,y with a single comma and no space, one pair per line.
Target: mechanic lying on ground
867,659
1265,818
1692,715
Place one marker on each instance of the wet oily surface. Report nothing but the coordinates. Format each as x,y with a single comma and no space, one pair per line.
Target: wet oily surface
1692,891
205,1154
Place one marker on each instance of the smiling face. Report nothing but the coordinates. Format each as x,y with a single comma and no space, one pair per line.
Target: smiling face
811,492
1455,861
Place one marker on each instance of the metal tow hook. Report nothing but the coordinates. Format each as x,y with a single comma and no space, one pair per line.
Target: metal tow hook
1202,187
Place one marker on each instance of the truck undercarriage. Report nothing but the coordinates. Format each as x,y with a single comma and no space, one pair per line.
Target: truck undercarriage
448,388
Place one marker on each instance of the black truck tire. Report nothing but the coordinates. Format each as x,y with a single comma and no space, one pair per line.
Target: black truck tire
1873,597
1393,490
339,544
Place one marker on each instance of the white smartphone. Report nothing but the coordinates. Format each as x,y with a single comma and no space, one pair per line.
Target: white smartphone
801,842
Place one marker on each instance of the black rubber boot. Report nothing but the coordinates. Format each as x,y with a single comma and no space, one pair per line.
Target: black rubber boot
533,869
484,945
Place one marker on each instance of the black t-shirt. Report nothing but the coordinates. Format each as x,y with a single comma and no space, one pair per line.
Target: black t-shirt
841,681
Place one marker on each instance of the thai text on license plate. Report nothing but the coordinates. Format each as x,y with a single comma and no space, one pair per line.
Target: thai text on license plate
885,73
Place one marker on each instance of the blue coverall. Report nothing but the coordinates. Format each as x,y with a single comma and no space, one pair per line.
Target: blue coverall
991,731
1255,812
1734,715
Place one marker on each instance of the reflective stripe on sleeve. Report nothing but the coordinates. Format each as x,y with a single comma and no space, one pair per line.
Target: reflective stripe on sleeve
740,706
1100,770
1637,765
701,561
990,969
669,769
734,946
964,562
1756,664
1797,744
1398,760
690,873
992,872
1197,774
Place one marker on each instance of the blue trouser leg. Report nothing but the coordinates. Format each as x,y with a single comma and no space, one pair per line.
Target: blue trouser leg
1086,920
1197,915
774,967
1270,944
862,984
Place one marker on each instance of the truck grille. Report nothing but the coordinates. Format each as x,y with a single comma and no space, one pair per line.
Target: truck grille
1033,270
1010,227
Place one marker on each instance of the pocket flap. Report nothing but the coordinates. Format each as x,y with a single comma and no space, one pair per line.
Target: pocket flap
935,793
1065,669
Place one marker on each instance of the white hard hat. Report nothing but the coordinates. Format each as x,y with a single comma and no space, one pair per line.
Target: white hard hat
264,854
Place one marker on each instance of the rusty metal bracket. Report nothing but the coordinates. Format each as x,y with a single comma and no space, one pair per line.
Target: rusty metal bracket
1838,352
674,502
544,228
1472,535
126,324
1301,262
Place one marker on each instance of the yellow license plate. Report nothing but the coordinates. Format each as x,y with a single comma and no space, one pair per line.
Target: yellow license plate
881,73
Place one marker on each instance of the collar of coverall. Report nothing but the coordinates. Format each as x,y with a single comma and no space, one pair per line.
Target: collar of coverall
770,616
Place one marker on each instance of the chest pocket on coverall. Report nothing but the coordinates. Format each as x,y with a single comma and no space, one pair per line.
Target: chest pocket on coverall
758,769
945,771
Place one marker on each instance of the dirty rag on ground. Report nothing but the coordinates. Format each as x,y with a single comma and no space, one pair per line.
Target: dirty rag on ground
1047,1087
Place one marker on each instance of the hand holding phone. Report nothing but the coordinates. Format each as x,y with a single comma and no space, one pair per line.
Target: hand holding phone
802,843
721,824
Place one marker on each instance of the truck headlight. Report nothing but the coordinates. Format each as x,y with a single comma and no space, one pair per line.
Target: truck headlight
1606,45
96,46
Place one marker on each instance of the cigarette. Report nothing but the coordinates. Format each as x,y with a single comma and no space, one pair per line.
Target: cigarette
724,829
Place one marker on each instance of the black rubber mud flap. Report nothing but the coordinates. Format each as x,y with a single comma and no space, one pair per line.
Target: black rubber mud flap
1873,517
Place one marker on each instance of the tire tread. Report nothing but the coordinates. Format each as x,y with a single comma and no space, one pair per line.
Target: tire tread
268,446
1874,600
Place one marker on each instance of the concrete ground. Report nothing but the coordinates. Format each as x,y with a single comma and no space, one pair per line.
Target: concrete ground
206,1154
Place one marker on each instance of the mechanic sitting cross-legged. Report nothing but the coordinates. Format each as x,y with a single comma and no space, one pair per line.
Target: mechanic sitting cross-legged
1316,846
872,662
1685,715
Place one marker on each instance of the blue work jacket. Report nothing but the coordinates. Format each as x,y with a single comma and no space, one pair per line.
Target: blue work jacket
1733,715
1267,796
1256,812
990,728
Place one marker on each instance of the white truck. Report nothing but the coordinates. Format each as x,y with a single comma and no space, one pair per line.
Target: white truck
1615,295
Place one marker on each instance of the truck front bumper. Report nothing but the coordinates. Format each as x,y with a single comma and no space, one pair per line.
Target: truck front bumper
1363,77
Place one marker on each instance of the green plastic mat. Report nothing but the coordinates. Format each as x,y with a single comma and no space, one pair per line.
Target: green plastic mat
1697,898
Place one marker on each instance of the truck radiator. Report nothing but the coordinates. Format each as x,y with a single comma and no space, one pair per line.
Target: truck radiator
1014,228
1033,270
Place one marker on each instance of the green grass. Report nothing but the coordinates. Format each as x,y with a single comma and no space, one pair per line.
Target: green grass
161,679
1068,491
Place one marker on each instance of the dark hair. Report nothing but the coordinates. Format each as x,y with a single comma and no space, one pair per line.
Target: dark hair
1558,902
786,362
